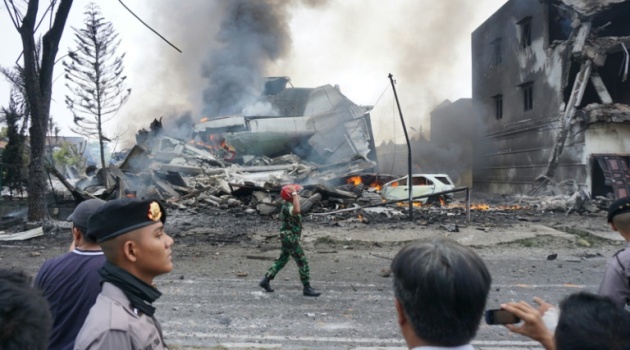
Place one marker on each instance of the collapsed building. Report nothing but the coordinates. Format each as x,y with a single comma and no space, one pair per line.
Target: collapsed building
551,80
313,136
317,124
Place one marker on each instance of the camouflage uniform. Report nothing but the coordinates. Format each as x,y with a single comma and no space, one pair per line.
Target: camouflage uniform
290,234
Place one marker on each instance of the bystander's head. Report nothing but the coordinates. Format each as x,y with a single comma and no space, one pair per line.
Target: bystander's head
441,289
592,322
25,320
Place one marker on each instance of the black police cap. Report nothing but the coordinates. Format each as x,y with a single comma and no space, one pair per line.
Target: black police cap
120,216
620,206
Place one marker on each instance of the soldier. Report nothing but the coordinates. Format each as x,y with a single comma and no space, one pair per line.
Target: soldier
71,282
131,233
290,234
616,281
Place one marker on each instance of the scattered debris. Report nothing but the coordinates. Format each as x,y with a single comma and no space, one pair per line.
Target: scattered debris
21,236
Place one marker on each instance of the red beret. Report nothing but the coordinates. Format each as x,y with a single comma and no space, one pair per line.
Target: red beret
287,191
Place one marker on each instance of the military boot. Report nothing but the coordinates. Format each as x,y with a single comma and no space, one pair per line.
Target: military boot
264,283
310,292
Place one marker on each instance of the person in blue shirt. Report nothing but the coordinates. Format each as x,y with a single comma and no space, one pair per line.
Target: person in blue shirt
71,282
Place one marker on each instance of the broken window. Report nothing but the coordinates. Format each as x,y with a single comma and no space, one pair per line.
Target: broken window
559,25
496,52
526,31
498,106
613,75
528,95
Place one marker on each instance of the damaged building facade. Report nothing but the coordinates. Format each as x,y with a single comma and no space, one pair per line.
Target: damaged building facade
551,80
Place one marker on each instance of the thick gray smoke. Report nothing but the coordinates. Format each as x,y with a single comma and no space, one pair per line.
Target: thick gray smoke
253,33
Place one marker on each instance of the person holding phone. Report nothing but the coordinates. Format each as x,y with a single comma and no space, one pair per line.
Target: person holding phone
440,290
587,322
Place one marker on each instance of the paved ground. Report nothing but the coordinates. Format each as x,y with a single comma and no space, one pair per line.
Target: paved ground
211,300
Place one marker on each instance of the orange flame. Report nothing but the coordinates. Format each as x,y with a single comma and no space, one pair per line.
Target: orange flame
375,185
355,180
205,119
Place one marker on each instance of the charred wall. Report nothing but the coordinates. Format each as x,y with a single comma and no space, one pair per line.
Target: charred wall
518,84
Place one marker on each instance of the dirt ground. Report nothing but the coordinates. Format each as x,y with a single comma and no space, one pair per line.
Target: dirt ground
211,299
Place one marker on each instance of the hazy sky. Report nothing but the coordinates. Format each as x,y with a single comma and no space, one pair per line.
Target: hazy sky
425,44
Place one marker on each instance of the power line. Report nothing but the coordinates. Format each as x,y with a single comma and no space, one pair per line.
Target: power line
146,25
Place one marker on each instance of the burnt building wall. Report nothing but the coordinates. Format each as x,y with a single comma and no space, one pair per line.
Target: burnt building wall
518,83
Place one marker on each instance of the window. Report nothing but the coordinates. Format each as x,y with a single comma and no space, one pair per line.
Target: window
496,52
526,31
528,96
498,106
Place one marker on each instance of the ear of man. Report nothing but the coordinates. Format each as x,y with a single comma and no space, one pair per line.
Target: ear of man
402,318
123,249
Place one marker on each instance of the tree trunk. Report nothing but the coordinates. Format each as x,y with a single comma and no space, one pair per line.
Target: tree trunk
38,82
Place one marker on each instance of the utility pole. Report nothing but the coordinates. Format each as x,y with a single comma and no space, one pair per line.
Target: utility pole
402,120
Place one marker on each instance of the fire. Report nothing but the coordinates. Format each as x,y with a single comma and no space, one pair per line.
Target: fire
355,180
205,119
480,206
406,204
375,186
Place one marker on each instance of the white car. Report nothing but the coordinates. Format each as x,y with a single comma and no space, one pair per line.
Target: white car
422,184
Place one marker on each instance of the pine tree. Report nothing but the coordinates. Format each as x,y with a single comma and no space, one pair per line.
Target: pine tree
94,75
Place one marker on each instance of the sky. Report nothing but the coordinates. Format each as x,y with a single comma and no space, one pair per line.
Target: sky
354,44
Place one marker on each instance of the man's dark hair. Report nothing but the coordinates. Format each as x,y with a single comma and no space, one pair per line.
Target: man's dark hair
589,321
25,320
442,287
83,231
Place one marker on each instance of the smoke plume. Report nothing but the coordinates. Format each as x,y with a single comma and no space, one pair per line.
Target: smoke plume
229,45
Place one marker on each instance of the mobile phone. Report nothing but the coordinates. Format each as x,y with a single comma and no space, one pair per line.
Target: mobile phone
500,316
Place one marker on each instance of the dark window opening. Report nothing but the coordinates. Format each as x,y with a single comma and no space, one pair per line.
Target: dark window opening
498,106
590,94
613,21
612,75
528,96
496,52
526,31
559,26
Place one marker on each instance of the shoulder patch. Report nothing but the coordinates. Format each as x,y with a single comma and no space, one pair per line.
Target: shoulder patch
119,318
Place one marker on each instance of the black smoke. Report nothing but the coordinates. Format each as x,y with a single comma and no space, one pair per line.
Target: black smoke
252,35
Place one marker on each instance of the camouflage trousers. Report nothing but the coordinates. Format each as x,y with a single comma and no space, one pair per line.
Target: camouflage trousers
291,248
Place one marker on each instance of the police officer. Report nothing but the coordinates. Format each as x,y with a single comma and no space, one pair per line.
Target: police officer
616,282
290,235
131,233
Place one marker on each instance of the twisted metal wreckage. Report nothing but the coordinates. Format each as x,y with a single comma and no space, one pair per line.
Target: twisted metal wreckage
313,136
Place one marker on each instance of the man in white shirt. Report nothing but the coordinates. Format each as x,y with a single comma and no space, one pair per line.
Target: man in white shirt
440,291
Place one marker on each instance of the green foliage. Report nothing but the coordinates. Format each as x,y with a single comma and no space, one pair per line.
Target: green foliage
69,154
13,158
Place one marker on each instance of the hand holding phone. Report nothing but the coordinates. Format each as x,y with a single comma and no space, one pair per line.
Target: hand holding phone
500,316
